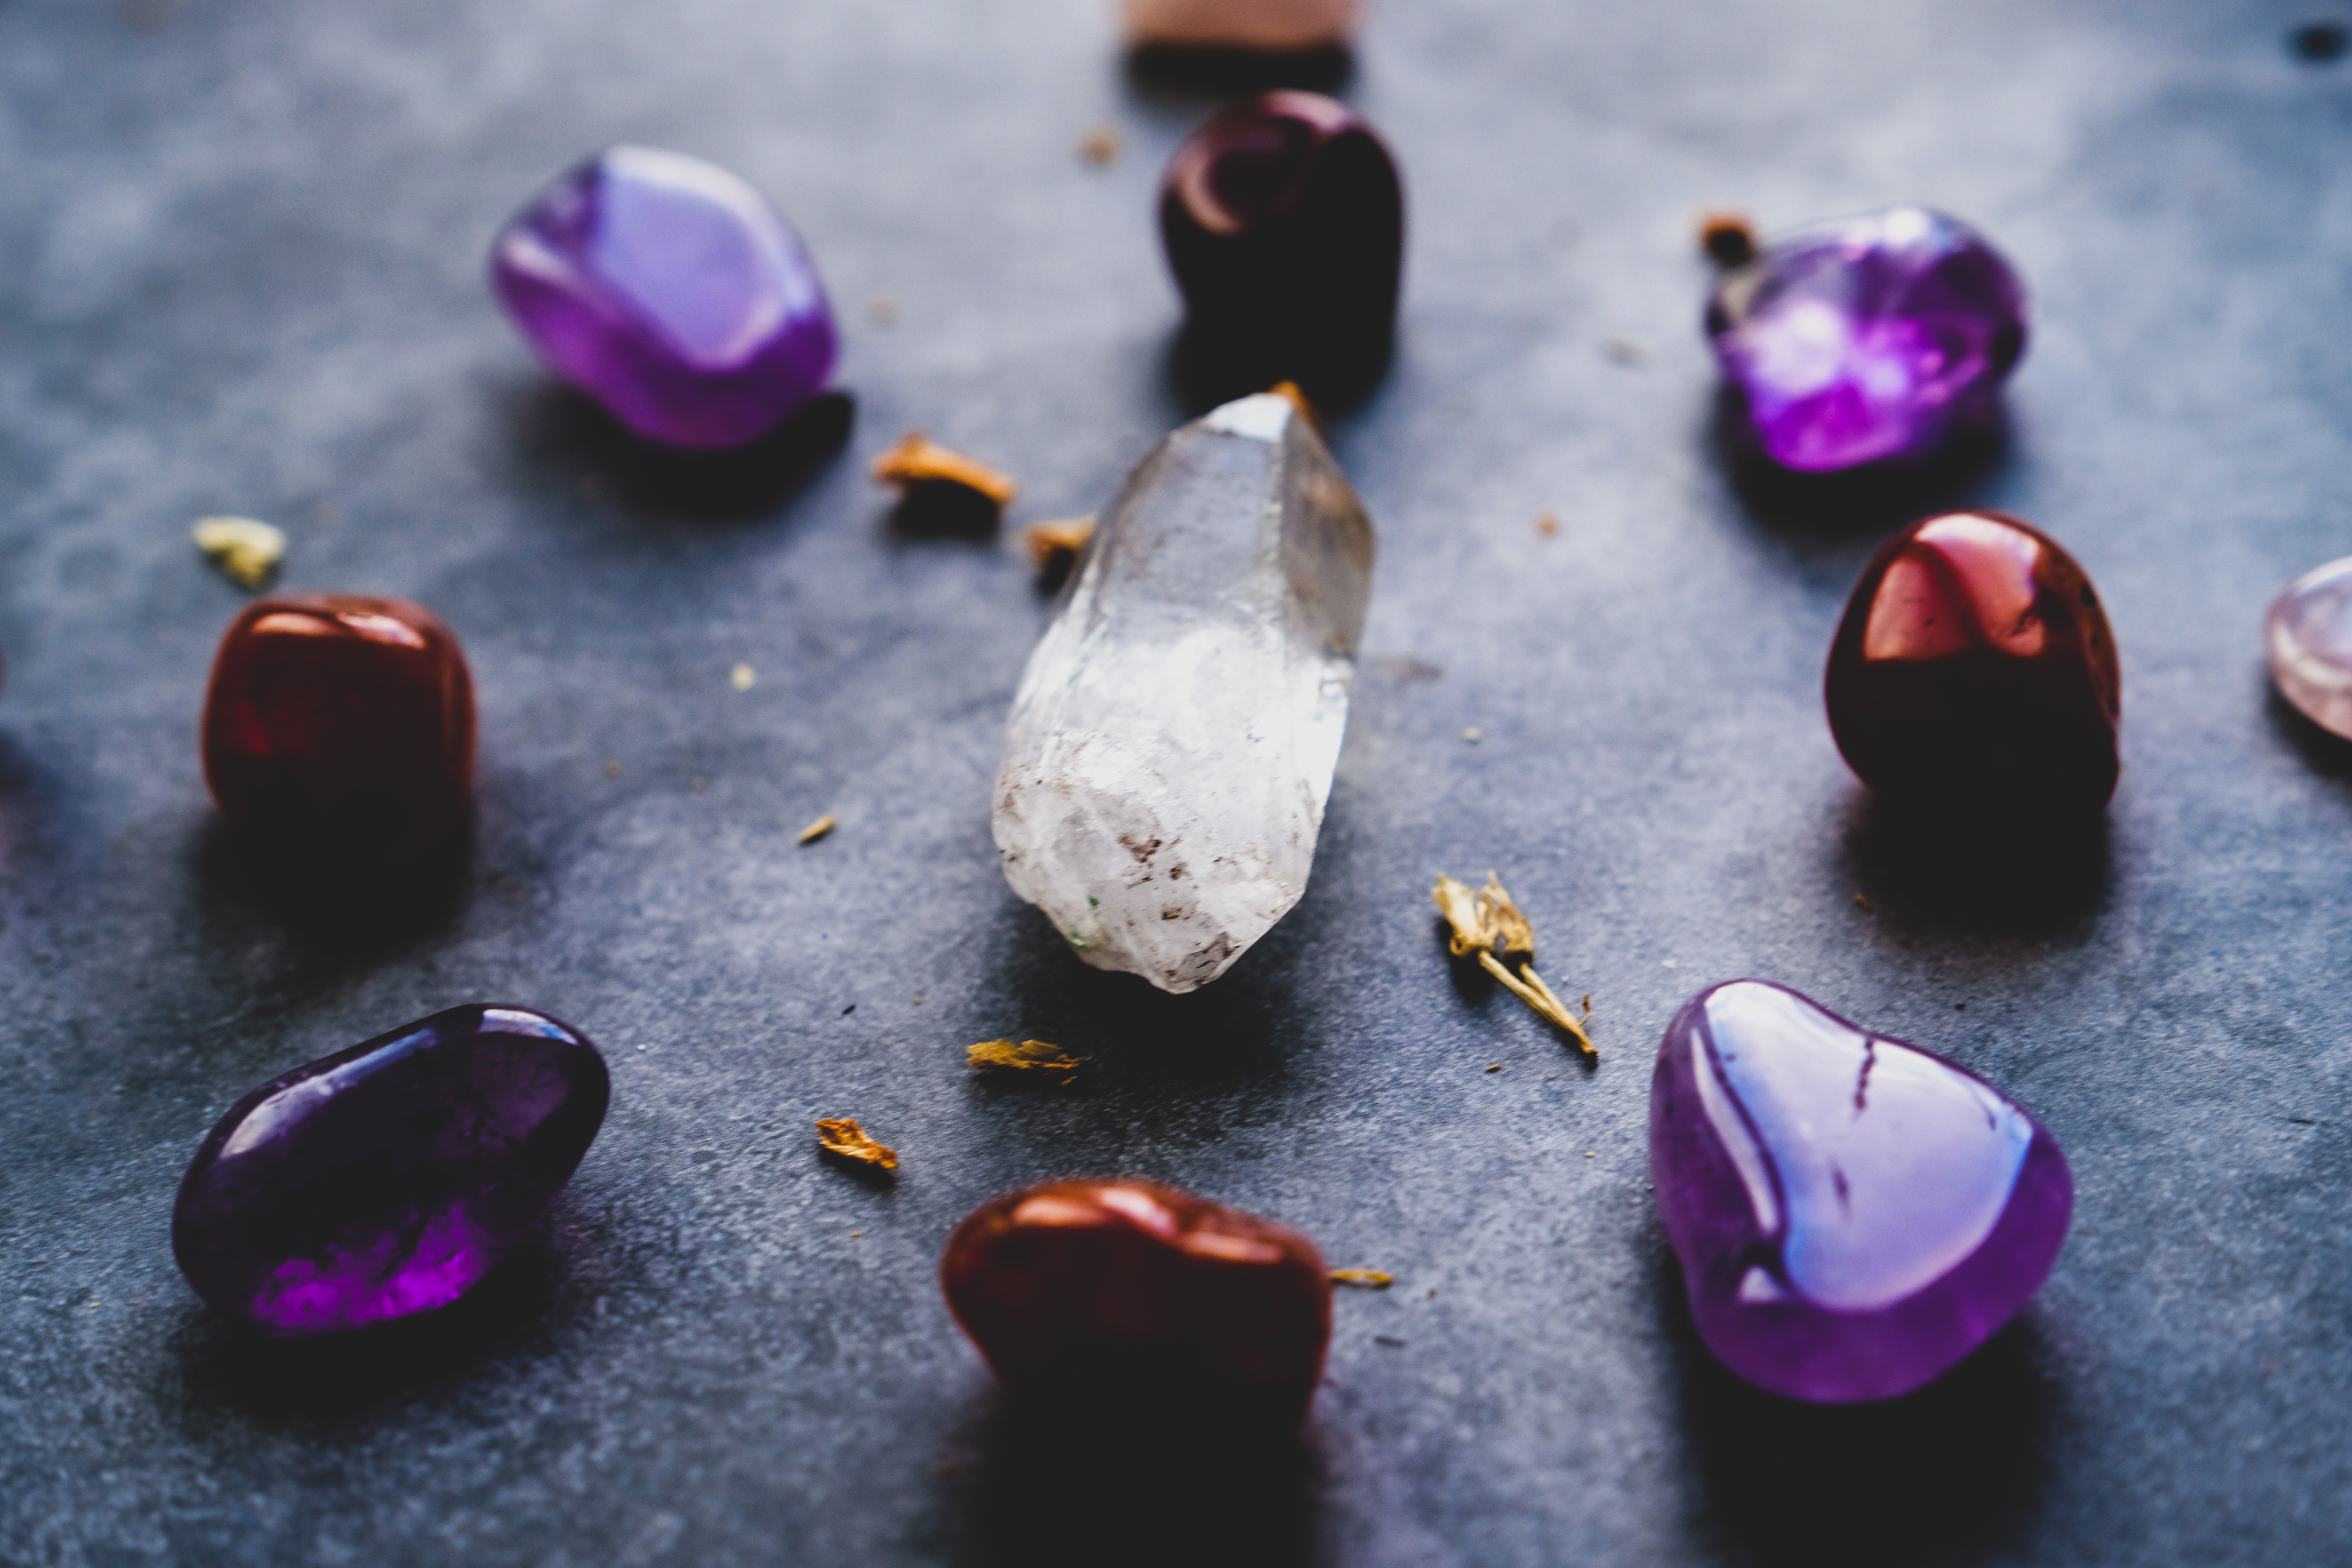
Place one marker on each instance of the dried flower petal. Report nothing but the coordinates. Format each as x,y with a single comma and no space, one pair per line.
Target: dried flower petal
1465,912
248,549
1362,1279
1487,922
1511,932
819,828
1028,1056
846,1137
1063,537
917,461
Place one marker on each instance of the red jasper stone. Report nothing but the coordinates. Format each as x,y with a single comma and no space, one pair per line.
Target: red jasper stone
1126,1295
341,726
1975,671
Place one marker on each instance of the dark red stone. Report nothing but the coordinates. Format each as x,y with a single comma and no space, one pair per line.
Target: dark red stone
341,725
1284,221
1129,1296
1974,671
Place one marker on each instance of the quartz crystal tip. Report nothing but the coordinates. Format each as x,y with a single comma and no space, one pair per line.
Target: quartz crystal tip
670,290
1173,741
1871,341
1854,1215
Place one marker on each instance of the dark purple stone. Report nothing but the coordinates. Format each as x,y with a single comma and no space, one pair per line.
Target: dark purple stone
672,292
1854,1215
389,1178
1869,341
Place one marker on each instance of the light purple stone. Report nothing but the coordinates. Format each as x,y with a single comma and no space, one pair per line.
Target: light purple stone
672,292
1870,340
1854,1215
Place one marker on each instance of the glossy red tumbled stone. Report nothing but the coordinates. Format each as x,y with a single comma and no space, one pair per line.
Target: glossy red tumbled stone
1129,1297
1975,669
341,725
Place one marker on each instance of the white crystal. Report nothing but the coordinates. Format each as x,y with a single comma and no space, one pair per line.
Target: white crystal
1171,744
2310,631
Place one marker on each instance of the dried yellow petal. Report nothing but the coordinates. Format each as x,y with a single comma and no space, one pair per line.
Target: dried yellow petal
819,828
245,549
846,1137
915,461
1486,923
1047,540
1510,929
1465,912
1029,1056
1362,1279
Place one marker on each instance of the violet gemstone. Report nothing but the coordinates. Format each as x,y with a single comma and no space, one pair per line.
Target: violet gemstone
1854,1215
389,1178
672,292
1871,341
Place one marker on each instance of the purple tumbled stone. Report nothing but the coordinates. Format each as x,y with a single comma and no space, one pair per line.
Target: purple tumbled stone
672,291
1870,340
1854,1215
389,1178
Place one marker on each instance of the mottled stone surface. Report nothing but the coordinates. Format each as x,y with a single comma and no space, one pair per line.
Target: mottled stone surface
1173,741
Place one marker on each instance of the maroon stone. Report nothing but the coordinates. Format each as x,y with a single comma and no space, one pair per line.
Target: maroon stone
343,726
1284,221
1975,671
1129,1296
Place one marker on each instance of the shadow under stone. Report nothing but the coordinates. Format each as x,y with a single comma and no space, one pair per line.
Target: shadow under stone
1223,72
329,910
1876,498
2322,751
1923,1478
567,430
1992,875
1057,1487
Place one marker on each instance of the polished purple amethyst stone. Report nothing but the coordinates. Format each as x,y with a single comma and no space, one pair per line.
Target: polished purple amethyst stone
388,1179
1854,1215
1872,341
672,292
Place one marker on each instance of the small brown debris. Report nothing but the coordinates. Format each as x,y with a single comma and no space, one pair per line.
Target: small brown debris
1624,352
1474,734
1029,1056
1863,901
882,310
1728,240
1362,1279
700,784
819,828
1497,1067
611,769
1099,146
1487,921
245,549
1547,525
917,461
1058,542
846,1139
743,677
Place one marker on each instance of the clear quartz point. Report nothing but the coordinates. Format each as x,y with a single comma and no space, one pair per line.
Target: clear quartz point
1173,741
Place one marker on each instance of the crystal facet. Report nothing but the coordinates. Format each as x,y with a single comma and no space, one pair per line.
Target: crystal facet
1242,24
1126,1293
1284,222
2310,632
1854,1215
341,726
1173,741
1974,671
389,1178
1869,340
672,291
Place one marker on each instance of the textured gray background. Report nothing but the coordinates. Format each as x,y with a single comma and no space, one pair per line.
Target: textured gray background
240,270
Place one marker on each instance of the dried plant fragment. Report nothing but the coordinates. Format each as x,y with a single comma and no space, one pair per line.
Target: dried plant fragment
1362,1279
1728,238
1029,1056
1099,146
819,828
1058,541
1487,922
245,549
844,1137
917,461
